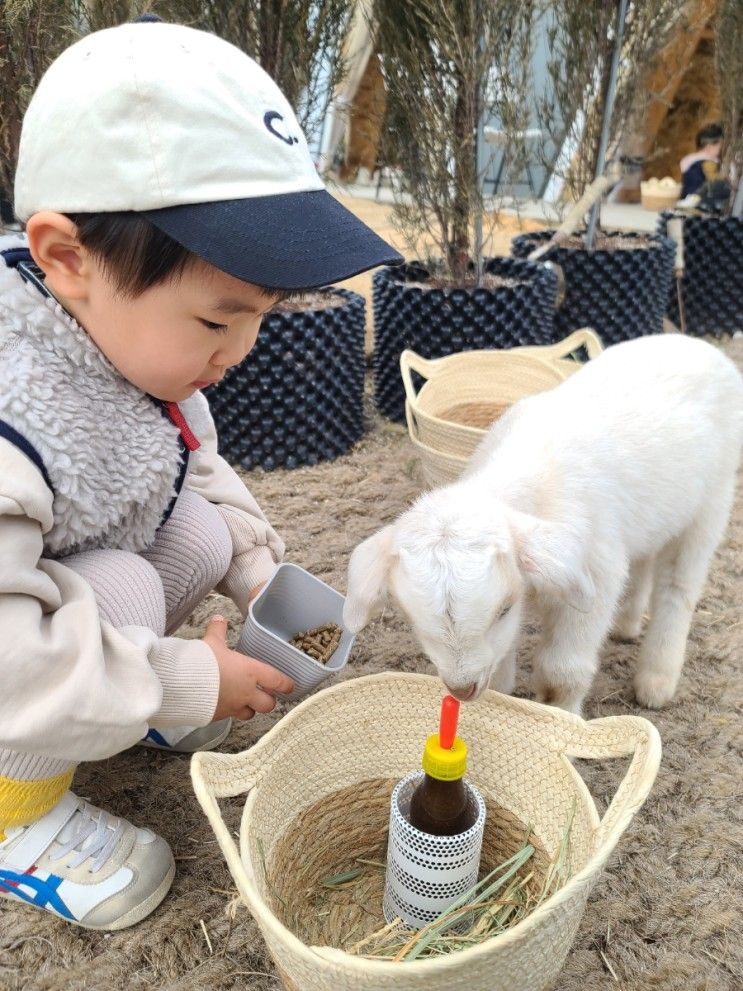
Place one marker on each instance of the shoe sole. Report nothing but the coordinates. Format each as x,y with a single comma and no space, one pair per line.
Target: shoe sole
130,918
176,750
145,908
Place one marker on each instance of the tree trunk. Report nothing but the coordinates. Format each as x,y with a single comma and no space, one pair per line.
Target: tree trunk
463,155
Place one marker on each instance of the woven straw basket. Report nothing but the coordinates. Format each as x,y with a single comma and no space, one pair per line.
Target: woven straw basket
318,790
466,392
660,194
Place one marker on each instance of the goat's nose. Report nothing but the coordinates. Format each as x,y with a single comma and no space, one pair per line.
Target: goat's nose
463,694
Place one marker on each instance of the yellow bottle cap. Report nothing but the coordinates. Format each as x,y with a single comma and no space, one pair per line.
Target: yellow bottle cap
445,765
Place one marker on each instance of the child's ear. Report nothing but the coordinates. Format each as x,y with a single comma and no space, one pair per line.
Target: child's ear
54,246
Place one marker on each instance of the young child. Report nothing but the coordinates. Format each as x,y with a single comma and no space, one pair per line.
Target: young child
169,201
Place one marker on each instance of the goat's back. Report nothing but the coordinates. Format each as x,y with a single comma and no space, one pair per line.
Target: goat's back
643,433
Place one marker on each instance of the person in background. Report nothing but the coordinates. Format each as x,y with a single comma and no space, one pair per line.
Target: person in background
700,171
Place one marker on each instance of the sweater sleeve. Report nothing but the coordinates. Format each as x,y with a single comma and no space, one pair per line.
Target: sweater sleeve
71,685
257,548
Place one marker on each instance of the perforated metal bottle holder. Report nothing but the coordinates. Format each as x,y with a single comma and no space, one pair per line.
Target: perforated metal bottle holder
426,873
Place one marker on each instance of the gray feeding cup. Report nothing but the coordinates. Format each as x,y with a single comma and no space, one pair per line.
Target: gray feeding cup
293,602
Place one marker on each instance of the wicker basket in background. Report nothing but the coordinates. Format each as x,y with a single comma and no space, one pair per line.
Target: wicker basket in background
465,393
660,194
317,789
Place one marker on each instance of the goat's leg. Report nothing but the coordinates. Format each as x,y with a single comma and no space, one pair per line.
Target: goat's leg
567,656
628,624
679,579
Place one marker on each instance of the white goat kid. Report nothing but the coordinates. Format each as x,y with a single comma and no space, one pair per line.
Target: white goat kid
620,480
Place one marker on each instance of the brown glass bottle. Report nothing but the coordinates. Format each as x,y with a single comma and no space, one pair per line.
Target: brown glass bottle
442,808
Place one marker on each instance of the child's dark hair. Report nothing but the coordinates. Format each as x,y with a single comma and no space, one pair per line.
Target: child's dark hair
135,253
709,135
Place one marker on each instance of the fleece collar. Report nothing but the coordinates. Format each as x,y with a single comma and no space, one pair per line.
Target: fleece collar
112,457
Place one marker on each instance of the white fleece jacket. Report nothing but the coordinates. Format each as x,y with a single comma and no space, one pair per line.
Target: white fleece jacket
72,686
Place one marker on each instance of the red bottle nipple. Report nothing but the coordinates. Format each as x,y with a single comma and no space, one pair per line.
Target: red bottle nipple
448,721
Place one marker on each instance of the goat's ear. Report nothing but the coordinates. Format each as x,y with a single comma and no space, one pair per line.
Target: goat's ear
368,572
552,558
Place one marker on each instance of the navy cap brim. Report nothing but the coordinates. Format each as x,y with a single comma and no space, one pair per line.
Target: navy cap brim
290,241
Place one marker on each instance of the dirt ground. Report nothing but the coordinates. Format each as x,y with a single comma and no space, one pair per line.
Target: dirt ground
667,913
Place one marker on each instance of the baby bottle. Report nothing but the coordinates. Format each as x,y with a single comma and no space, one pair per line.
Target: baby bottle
437,822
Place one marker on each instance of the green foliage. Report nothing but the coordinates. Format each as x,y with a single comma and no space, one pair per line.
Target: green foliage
436,58
581,40
446,62
32,33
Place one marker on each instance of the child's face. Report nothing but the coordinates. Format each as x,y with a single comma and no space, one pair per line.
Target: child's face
178,336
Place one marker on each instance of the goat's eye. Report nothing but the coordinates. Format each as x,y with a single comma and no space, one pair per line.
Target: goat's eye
505,611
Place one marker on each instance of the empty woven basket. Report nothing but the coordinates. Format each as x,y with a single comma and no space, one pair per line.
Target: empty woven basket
317,790
465,393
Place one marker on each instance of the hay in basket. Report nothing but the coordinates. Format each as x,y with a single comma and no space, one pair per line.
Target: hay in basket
464,394
318,787
501,899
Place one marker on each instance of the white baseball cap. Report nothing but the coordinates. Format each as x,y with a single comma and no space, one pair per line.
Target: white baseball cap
185,129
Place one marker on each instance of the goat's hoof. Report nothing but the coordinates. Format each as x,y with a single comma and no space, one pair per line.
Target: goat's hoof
653,691
559,698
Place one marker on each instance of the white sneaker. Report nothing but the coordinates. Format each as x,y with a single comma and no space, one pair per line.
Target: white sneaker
188,739
86,866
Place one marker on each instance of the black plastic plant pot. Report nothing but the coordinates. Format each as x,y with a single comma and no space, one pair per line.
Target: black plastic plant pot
620,292
712,284
298,397
438,321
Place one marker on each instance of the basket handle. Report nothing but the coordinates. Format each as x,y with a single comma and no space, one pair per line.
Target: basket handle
585,337
424,366
412,422
413,432
216,775
619,736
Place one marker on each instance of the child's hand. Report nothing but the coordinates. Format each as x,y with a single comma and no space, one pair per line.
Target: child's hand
246,685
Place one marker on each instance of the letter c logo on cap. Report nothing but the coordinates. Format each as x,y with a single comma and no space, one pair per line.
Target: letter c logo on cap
268,118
